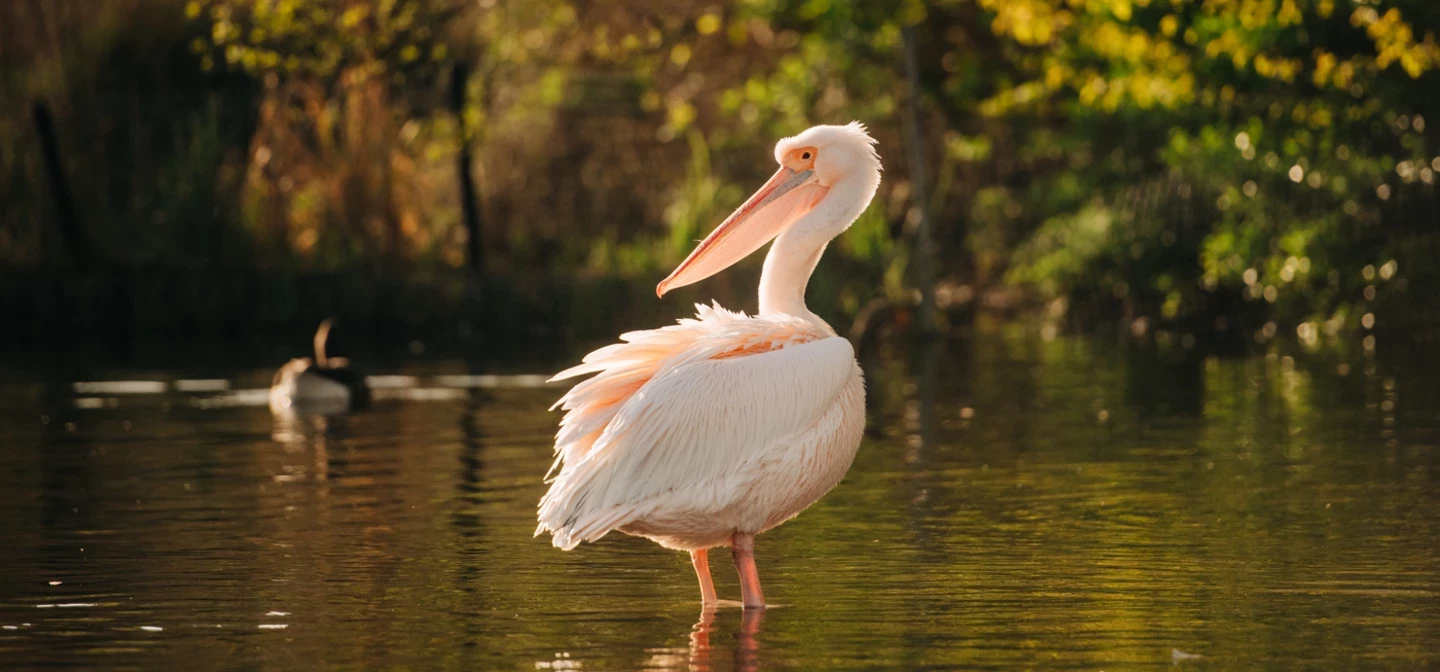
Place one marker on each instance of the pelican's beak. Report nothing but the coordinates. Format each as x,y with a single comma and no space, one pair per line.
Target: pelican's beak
785,198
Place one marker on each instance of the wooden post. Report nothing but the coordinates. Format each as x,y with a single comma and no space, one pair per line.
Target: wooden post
469,199
922,256
471,320
60,187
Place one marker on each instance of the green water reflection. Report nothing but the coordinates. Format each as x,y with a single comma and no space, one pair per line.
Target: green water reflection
1083,505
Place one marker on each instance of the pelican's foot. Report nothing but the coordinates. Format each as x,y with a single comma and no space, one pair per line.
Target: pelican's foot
737,604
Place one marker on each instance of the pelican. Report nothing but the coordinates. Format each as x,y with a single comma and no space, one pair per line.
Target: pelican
327,384
709,432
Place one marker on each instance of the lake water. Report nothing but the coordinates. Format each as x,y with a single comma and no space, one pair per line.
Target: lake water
1082,505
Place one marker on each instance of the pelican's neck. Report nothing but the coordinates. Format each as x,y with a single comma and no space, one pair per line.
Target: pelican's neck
792,259
796,251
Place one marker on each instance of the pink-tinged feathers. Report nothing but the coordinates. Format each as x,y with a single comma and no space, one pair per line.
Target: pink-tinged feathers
681,423
625,367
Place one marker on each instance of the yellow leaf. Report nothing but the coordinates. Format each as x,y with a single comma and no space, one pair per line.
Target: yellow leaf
707,24
1289,13
1169,25
1324,65
680,55
681,115
1055,76
353,16
1121,9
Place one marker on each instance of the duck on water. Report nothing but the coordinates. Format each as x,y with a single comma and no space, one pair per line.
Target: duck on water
324,382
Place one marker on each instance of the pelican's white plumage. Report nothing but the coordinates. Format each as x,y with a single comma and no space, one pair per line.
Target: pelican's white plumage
716,429
693,432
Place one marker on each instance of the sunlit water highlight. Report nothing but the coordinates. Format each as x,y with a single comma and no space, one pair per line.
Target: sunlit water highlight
1083,507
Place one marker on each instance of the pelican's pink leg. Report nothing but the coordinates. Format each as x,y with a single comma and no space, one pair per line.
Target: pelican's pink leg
742,547
701,560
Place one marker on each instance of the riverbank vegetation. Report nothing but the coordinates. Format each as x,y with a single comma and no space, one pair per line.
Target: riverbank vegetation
1187,167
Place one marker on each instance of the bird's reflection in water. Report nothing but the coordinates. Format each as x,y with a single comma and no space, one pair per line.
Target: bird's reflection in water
297,429
701,654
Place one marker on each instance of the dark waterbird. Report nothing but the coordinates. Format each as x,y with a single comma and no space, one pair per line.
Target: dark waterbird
324,383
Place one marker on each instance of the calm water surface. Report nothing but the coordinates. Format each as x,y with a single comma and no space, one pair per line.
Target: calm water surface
1082,506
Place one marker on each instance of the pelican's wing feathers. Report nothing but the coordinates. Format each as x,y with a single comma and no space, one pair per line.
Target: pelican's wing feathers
677,408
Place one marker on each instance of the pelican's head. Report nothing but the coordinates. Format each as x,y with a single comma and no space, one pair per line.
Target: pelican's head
811,164
832,152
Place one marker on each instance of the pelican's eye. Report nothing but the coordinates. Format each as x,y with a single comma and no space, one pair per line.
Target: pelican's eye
802,158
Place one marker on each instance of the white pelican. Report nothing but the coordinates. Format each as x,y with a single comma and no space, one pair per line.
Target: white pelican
712,431
325,385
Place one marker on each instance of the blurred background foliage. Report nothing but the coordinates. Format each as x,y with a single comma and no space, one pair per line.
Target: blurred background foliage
1176,168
